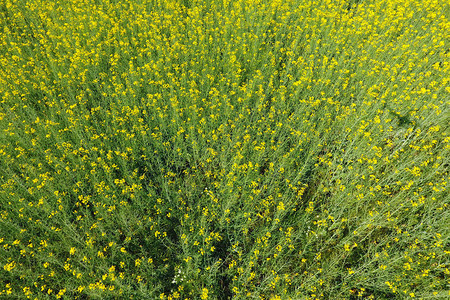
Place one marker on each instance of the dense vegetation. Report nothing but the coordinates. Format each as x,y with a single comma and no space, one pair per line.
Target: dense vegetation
224,149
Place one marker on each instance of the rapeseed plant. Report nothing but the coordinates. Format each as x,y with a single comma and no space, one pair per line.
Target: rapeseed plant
224,149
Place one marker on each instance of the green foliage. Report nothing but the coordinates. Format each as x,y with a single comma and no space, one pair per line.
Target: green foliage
224,149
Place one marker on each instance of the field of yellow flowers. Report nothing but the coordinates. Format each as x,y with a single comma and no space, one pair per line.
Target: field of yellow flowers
224,149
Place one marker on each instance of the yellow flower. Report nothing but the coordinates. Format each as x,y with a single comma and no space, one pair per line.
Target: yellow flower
10,266
204,294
